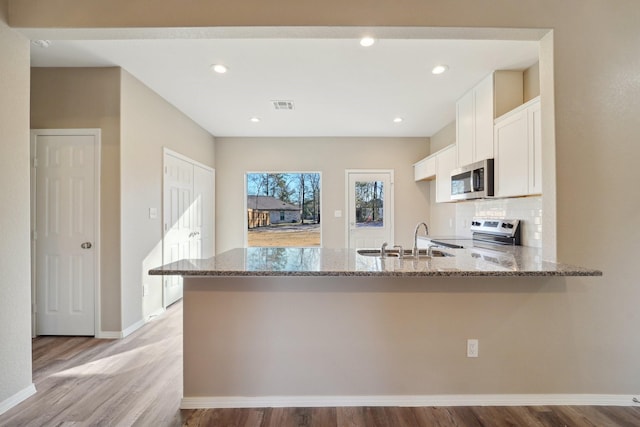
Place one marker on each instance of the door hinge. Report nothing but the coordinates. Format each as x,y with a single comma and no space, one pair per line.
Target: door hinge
34,308
34,235
35,162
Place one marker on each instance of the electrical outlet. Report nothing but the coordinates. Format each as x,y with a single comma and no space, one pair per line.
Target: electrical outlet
472,348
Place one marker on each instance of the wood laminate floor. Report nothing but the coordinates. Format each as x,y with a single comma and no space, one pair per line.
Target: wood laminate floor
137,381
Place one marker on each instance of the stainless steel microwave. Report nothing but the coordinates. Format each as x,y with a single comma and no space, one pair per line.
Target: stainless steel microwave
474,181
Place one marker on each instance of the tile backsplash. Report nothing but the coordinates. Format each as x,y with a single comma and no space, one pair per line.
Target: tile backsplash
527,209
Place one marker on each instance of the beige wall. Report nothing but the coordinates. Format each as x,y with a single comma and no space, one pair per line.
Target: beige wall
90,98
15,267
148,123
596,128
380,337
136,123
531,80
442,221
331,156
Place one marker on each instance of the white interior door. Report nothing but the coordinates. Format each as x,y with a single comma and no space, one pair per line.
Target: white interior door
203,189
178,218
65,232
369,208
188,216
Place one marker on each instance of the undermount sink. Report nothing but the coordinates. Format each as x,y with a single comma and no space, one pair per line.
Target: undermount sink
407,253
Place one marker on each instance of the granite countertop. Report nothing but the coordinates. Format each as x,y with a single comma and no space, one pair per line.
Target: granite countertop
515,261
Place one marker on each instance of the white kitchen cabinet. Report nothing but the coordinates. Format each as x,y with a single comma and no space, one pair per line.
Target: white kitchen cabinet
535,147
496,94
517,167
425,169
446,160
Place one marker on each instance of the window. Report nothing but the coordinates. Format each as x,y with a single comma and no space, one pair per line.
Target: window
283,209
369,204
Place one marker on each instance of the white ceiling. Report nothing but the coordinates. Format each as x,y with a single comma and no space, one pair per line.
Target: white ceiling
339,87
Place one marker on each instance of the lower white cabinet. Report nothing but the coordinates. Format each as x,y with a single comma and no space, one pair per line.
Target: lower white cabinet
446,161
518,152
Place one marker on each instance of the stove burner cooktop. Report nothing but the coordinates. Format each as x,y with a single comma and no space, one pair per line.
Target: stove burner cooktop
485,233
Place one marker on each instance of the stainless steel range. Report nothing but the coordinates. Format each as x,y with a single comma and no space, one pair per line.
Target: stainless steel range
485,232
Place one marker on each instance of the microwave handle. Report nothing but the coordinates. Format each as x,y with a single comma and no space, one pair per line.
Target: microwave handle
475,179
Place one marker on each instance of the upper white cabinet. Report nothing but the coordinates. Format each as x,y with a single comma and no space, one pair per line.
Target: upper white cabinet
439,166
498,93
425,168
535,147
518,152
445,163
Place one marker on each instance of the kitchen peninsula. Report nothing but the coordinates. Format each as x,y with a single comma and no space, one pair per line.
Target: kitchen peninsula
330,327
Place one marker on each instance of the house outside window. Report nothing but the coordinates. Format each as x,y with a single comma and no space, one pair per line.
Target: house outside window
283,209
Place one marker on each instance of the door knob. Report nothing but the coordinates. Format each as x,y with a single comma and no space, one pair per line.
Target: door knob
86,245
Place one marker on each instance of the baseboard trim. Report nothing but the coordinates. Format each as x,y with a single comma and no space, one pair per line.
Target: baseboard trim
109,335
131,329
17,398
115,335
428,400
159,312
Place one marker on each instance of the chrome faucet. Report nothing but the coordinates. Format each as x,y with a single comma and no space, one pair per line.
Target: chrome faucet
415,237
383,250
430,250
400,251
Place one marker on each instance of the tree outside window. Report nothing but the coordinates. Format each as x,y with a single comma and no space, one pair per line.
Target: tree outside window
283,209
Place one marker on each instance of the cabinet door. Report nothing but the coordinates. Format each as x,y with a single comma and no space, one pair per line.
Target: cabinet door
535,149
464,129
511,156
445,163
425,169
483,111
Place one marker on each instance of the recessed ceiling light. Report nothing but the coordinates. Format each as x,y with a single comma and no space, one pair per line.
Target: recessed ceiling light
367,41
398,120
255,119
439,69
219,68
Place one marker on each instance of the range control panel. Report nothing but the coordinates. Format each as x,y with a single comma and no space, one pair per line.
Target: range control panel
503,227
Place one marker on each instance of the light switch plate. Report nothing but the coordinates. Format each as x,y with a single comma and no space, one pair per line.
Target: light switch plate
337,214
472,348
153,213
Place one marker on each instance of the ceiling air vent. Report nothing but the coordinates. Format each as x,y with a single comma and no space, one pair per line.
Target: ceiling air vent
283,105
